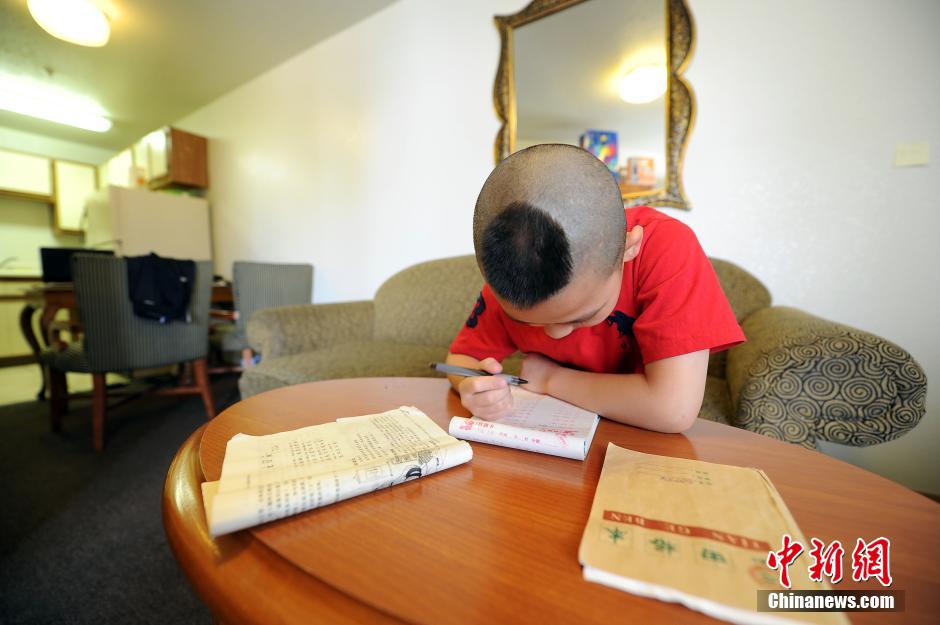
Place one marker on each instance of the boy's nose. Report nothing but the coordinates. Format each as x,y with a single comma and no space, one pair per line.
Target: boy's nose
559,331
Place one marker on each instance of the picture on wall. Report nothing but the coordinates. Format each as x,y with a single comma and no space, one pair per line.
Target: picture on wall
603,145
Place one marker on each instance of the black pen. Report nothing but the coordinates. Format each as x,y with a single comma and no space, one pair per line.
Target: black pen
445,368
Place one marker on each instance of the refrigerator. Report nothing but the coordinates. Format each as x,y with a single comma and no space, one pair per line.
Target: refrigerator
134,222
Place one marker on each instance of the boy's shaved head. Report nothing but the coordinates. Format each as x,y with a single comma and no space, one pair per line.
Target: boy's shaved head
545,214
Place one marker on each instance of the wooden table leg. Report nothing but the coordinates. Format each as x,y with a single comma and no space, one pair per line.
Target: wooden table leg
98,409
26,327
45,321
201,375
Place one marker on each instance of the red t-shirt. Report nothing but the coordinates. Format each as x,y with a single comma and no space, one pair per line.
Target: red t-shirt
671,303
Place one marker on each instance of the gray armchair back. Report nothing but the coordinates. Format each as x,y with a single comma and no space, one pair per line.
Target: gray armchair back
115,339
269,285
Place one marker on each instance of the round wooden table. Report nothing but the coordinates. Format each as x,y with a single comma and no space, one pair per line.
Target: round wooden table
496,540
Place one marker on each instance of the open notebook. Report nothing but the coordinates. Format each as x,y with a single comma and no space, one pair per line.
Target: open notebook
538,423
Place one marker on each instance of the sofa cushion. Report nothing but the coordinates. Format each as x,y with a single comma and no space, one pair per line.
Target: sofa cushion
349,360
428,303
716,406
745,293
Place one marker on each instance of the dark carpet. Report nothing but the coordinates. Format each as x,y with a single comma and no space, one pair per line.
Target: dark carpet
81,534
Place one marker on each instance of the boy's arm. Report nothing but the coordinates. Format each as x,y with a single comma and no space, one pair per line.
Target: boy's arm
666,397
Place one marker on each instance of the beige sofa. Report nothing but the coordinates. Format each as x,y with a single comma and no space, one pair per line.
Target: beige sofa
799,378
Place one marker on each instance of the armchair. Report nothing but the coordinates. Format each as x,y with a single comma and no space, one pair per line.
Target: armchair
115,340
257,286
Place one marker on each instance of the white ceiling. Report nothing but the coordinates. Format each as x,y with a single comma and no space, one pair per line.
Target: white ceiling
166,58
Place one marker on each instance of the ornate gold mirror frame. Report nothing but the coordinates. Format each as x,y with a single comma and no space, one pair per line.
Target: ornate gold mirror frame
680,102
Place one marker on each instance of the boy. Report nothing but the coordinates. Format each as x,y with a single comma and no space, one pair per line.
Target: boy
616,310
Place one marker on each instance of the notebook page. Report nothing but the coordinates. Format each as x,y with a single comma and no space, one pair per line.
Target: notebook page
532,411
538,423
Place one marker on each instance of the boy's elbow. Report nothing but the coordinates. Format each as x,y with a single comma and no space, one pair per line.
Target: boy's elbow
681,423
680,416
678,389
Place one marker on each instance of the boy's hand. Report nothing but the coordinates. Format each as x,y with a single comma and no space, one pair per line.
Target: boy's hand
536,370
485,396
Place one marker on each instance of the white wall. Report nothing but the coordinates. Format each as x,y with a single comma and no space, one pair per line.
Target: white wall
364,155
26,226
790,172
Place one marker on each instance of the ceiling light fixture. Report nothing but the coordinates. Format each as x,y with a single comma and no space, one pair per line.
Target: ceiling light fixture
51,104
82,22
643,84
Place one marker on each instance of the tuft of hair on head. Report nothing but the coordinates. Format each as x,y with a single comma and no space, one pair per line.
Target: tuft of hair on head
525,255
544,215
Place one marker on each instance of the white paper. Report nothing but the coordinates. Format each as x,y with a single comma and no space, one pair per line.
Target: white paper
700,604
538,423
270,477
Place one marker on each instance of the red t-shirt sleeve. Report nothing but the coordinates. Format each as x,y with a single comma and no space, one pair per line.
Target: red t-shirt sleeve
484,335
681,307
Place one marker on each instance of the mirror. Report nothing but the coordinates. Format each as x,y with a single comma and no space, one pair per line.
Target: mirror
605,75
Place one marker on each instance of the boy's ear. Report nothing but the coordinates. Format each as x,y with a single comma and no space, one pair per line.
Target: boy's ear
632,243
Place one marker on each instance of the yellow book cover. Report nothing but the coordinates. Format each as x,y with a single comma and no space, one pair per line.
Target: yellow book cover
694,533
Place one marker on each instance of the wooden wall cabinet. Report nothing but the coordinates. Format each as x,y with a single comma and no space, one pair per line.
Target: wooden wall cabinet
64,185
164,158
180,159
73,184
25,175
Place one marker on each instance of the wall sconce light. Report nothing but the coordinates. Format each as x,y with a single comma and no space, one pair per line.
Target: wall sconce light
643,84
82,22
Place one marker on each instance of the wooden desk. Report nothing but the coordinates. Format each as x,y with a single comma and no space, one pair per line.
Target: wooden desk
495,540
53,297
